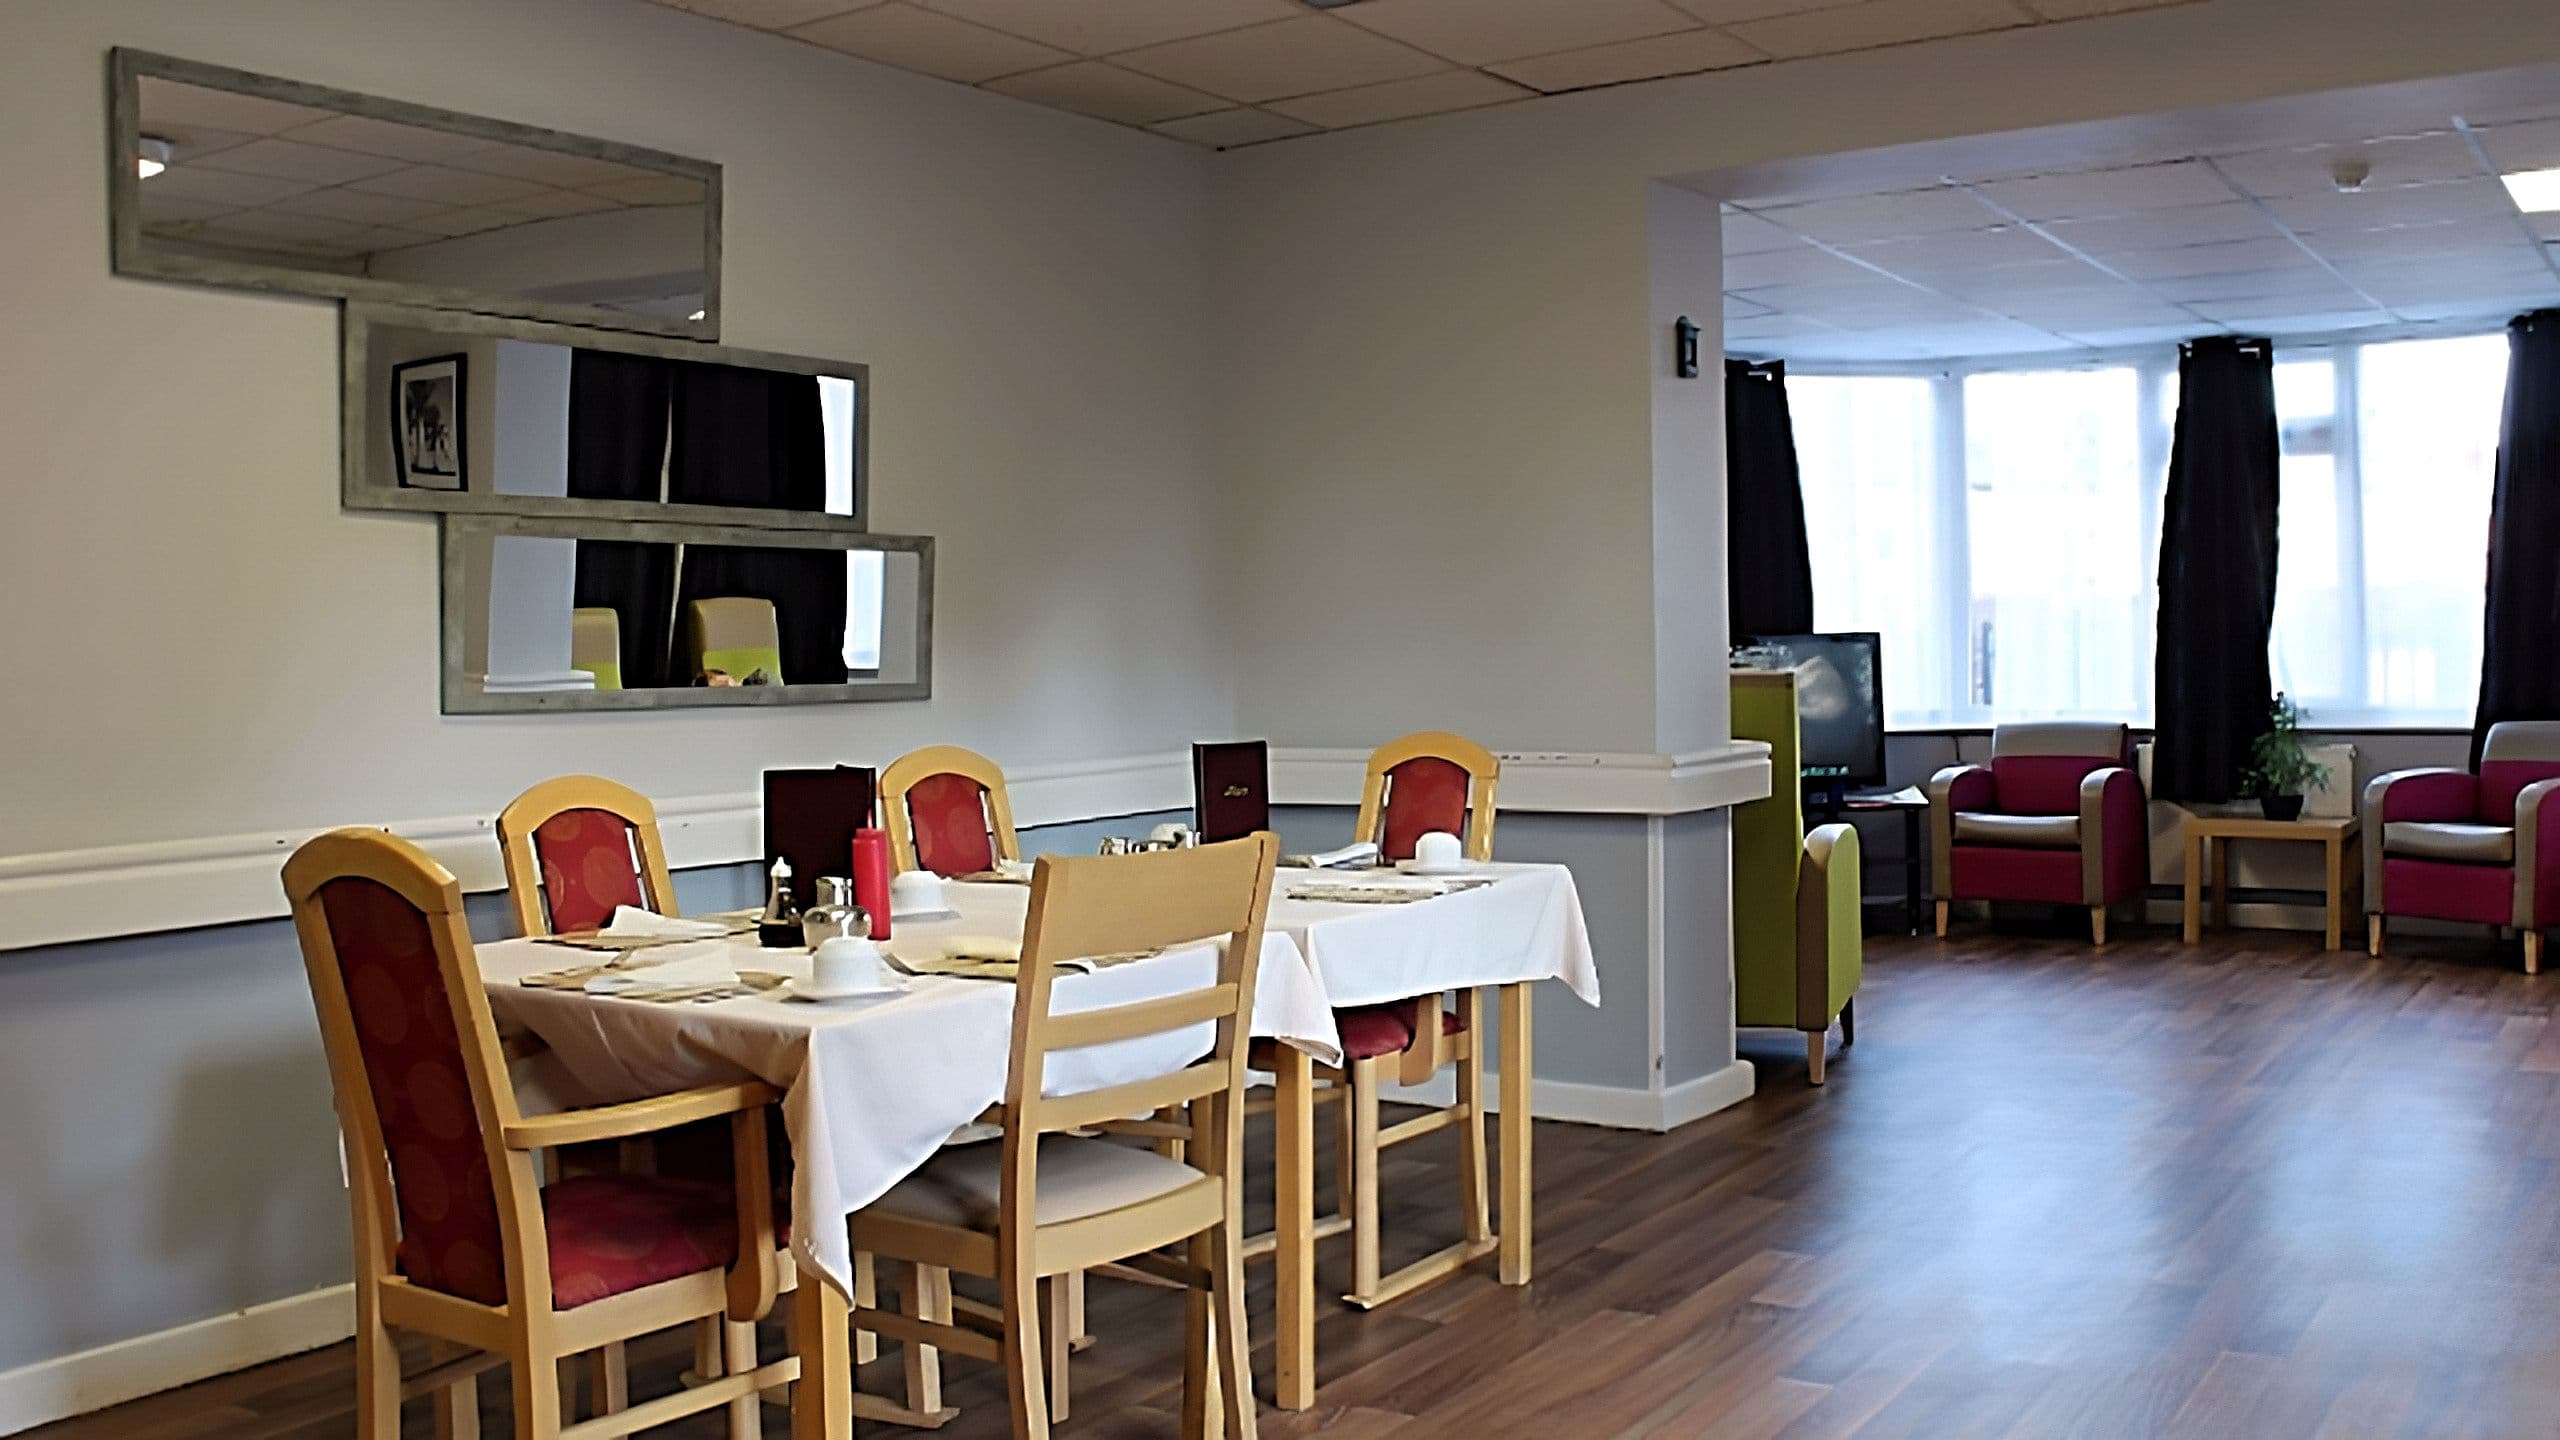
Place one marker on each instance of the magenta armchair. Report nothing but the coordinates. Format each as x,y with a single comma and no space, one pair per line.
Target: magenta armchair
2452,845
2056,818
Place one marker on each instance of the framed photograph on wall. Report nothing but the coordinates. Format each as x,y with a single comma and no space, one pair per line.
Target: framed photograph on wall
426,423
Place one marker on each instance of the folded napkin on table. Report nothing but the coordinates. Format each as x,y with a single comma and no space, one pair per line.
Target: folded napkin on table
632,922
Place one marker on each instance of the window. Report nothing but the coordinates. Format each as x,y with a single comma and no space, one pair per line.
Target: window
2001,529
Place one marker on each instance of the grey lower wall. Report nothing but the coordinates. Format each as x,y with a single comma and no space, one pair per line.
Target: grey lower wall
172,1152
1576,1044
1697,945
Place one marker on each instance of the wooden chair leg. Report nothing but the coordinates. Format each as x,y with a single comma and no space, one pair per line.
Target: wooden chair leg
1814,1043
2533,952
1345,1143
1362,1108
1025,1378
608,1380
746,1413
2098,925
1197,1364
1233,1373
2373,935
1942,919
1057,1333
457,1404
537,1398
866,1294
924,1293
1848,1022
377,1375
1474,1186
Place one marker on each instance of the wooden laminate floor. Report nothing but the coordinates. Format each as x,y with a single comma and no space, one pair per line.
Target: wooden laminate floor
2246,1190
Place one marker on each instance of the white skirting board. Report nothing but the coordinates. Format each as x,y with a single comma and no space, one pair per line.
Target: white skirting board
1608,1105
58,1389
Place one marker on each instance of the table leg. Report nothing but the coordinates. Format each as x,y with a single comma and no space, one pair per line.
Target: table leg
1516,1058
2221,849
2195,886
1911,867
2336,849
822,1399
1294,1218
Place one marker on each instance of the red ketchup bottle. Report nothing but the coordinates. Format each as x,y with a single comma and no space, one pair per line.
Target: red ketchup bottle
871,878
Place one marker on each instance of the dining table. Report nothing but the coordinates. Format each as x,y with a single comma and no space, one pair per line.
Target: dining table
873,1086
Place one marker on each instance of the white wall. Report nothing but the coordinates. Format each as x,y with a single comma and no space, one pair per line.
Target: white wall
228,652
1436,406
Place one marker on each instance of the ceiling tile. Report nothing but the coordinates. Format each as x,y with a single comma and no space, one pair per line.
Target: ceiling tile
357,206
368,136
1957,252
170,102
388,238
1101,27
2082,9
930,43
277,225
1225,128
770,14
1403,99
1877,22
1726,12
161,209
2176,225
451,187
548,167
2091,194
2224,257
2245,284
643,190
2393,160
1304,56
1794,266
2349,247
290,160
2041,278
552,204
2533,145
190,182
2446,200
1107,92
1479,32
461,221
1686,53
1745,233
1883,217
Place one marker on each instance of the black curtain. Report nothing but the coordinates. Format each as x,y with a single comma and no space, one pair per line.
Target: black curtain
747,437
617,451
2217,571
2518,680
1768,574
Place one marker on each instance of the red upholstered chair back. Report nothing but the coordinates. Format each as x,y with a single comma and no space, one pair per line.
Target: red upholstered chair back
2517,753
1425,782
387,960
946,811
2037,769
578,846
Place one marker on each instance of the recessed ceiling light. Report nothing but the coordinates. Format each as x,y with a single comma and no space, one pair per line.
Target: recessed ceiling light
2537,192
152,156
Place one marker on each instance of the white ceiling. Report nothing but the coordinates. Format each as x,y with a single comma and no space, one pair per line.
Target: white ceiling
1225,73
2236,240
254,174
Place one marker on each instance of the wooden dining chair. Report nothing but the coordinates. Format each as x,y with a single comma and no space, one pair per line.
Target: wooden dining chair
577,846
1425,782
456,1239
1048,1203
946,811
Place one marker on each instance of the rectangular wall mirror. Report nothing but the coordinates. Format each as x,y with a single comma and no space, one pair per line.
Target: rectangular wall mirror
595,615
482,414
225,177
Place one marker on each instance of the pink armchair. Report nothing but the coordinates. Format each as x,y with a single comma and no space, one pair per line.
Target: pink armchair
2055,818
2452,845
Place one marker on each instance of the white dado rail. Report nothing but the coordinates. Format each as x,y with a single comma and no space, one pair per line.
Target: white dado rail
155,886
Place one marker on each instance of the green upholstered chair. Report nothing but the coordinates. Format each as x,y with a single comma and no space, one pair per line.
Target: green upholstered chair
1797,942
736,635
595,644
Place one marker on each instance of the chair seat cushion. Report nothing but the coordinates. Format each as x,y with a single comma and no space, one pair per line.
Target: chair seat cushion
2450,840
1369,1031
1079,1177
2031,832
612,1234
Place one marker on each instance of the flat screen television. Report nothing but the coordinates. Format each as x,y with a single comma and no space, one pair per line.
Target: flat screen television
1839,703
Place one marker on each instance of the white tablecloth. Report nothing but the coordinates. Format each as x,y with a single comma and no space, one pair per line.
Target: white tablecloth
873,1087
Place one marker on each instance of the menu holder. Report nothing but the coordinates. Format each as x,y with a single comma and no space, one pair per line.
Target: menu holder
810,817
1230,789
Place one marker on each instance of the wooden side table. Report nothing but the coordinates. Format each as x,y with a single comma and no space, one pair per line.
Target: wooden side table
2209,839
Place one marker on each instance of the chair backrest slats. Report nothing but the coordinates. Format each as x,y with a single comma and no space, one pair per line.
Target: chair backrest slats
1137,1097
576,846
946,810
1080,1028
1429,780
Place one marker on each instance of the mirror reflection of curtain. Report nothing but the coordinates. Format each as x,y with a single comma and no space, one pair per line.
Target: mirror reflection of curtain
758,438
617,451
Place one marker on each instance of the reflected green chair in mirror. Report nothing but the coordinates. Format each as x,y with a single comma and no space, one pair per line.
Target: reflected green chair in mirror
735,635
595,644
1798,946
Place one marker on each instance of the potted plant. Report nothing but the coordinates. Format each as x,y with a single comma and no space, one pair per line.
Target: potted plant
2278,770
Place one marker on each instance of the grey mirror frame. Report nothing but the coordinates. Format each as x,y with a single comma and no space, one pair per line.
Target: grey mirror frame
455,531
131,256
357,401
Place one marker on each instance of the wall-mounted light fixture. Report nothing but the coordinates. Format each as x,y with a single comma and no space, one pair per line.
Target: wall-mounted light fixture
152,155
1686,363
